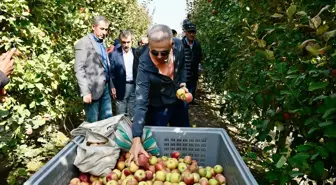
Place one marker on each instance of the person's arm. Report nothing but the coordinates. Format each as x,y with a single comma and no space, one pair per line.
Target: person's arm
6,67
142,102
111,57
80,58
3,80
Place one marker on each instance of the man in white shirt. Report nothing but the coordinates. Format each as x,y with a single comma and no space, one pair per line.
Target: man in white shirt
124,73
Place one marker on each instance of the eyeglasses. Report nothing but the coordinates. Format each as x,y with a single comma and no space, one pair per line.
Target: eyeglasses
163,53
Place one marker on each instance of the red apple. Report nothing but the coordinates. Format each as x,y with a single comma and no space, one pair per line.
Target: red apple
193,168
149,175
110,176
121,158
140,175
189,179
175,154
160,166
204,181
286,116
131,182
188,97
143,160
83,177
126,171
97,182
75,181
220,178
187,159
151,168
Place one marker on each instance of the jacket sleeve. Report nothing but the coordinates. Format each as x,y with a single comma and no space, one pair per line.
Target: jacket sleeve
112,68
80,58
141,102
3,80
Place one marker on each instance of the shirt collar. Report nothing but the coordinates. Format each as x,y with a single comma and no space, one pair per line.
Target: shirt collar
185,38
97,39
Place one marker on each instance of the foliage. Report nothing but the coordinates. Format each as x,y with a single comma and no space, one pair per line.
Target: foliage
276,63
42,95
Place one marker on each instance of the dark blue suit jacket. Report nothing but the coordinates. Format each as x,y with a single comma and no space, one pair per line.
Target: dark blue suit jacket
118,71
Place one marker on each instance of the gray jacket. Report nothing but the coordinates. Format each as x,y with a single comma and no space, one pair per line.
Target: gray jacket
89,68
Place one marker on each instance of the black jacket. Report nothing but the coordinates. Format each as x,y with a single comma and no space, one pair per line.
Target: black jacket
193,57
154,89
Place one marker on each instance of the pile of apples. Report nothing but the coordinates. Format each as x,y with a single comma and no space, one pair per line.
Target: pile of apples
156,171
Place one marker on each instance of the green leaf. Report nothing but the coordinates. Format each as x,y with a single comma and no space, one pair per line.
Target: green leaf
39,86
322,151
308,121
32,104
303,148
322,29
312,130
318,168
259,100
294,174
4,113
252,155
277,15
324,124
281,67
330,131
281,162
299,159
290,11
328,112
301,13
38,123
317,85
327,35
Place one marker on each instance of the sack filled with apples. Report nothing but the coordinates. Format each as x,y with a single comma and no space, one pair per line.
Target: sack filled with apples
164,170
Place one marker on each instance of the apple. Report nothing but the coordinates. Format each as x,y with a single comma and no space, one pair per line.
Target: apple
127,155
84,183
286,116
188,179
164,158
194,162
187,159
175,170
176,154
175,161
83,177
182,167
208,174
160,166
181,160
220,178
131,182
204,181
153,160
149,182
175,177
133,167
180,93
188,97
151,168
168,176
126,172
149,175
193,168
140,175
75,181
158,183
110,176
118,172
120,181
171,164
218,169
97,182
143,160
121,158
202,172
185,173
112,182
160,176
121,165
182,183
208,168
213,182
167,183
196,177
197,183
93,178
142,183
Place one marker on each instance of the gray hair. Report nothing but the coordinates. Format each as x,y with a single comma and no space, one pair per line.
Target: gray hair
160,32
96,20
125,34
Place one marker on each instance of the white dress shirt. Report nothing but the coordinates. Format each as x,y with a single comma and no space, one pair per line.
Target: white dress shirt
128,62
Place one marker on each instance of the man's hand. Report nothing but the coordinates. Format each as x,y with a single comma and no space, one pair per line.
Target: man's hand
87,99
6,62
114,93
136,149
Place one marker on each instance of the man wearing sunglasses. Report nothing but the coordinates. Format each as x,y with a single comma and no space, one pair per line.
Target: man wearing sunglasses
161,73
123,71
193,56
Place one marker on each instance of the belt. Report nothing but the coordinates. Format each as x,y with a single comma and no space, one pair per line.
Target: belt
130,82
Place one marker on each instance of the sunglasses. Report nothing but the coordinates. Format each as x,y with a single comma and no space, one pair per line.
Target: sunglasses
163,53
